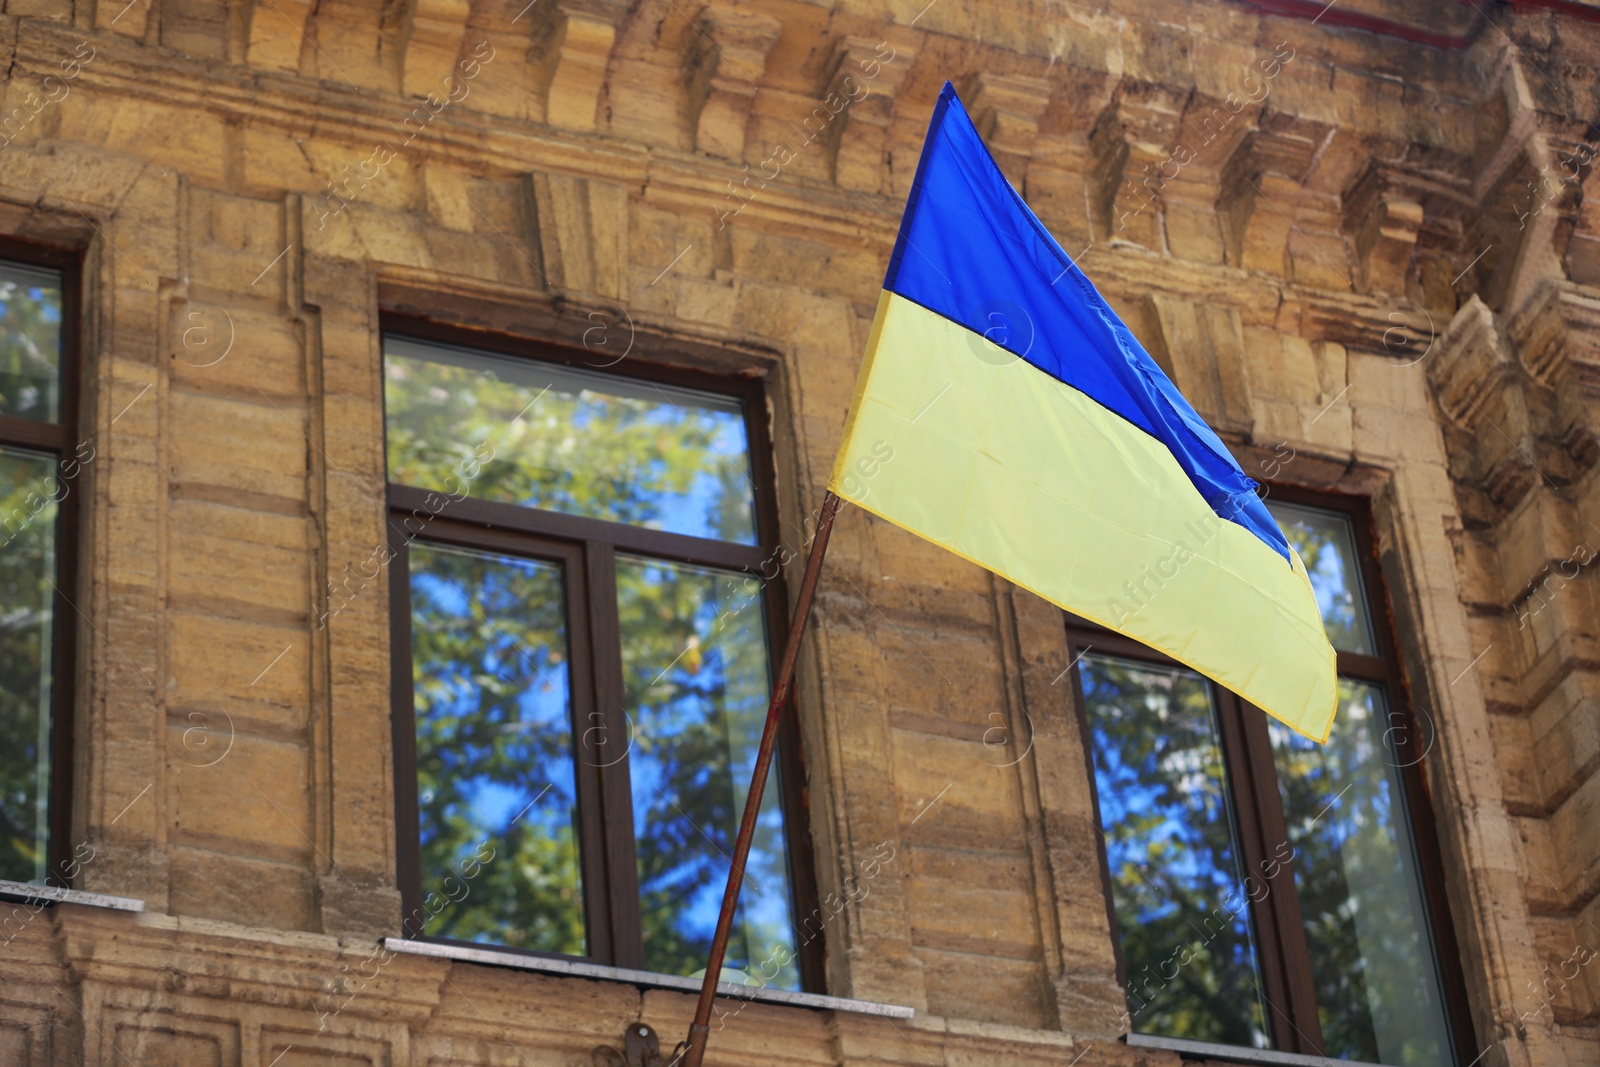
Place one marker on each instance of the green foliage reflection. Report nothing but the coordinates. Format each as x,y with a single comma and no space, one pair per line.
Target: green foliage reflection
694,658
496,800
1326,545
1170,843
30,342
1378,995
27,565
569,441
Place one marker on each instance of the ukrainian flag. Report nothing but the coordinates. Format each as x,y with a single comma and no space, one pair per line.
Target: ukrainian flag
1006,413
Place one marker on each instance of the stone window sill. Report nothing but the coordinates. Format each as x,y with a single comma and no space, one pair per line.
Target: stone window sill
1236,1053
645,979
27,893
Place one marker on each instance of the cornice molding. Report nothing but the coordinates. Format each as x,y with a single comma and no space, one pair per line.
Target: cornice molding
296,105
683,182
1473,363
1557,335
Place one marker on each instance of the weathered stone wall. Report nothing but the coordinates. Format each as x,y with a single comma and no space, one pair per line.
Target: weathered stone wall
1358,240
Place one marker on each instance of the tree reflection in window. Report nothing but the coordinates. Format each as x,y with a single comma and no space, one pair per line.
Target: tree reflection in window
1372,959
495,787
27,623
694,662
30,343
692,672
1326,545
30,492
1176,822
568,440
1171,847
1379,993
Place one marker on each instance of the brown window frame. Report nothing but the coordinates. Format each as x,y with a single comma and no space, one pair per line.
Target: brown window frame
587,549
57,439
1275,918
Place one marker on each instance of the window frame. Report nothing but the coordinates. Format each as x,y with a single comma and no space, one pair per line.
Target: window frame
58,439
1276,921
587,548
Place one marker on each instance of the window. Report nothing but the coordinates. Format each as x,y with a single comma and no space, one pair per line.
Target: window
582,629
39,472
1267,891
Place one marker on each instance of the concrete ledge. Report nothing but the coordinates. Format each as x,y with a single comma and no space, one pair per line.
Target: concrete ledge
579,969
1237,1053
26,893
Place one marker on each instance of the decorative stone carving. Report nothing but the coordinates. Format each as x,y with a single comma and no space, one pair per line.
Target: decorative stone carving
578,38
277,34
1385,224
726,58
880,67
437,28
1006,110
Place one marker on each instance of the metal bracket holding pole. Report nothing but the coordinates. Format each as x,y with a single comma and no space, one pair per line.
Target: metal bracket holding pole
640,1048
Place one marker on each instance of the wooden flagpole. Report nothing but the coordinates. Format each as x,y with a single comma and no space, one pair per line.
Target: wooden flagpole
700,1030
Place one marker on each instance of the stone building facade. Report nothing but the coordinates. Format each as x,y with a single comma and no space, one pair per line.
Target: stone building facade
1356,234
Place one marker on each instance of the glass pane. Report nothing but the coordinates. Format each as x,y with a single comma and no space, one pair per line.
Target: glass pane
30,342
1327,545
497,807
1372,958
694,664
1182,901
568,440
29,491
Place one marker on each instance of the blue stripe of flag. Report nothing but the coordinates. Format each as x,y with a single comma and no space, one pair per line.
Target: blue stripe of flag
971,250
